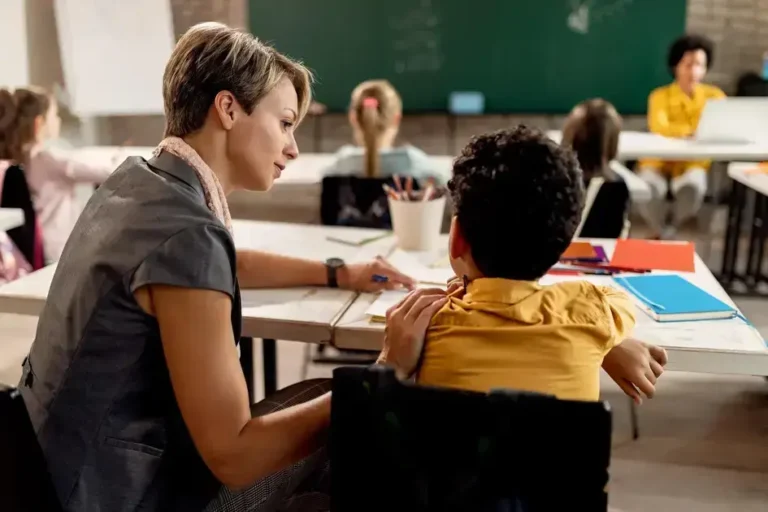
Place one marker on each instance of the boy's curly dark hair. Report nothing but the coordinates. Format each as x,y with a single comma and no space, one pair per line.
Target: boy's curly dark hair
689,43
518,198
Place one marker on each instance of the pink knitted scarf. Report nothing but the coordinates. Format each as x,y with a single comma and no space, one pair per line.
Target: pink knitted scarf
215,197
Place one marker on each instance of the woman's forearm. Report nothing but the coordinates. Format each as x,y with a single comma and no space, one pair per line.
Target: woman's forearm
257,269
269,443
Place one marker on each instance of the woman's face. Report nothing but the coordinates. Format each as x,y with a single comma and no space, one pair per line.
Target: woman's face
691,68
262,143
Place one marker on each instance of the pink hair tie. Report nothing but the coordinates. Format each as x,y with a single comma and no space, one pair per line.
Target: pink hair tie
370,103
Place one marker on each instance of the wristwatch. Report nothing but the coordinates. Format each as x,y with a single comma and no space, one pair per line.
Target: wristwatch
333,265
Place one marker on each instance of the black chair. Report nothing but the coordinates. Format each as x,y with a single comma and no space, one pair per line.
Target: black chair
25,483
354,202
27,237
395,446
608,215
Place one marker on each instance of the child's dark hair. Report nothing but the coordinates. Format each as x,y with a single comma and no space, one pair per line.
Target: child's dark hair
592,131
689,43
18,112
7,124
518,198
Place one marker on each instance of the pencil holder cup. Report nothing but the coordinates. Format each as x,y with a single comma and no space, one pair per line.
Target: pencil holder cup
417,224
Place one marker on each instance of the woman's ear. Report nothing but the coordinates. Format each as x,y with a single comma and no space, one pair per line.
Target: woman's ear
352,118
225,106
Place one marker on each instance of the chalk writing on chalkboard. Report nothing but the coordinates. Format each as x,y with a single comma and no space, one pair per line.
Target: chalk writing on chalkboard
416,40
585,12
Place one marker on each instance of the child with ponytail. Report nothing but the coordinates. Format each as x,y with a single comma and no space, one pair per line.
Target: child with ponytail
375,112
52,178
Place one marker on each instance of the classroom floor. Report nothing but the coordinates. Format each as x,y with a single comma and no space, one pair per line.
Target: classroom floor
703,440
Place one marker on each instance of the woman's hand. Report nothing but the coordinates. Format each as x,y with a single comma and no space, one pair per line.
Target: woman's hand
456,287
406,328
374,276
635,366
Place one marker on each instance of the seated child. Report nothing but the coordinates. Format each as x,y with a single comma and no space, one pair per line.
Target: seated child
518,198
52,177
375,113
592,131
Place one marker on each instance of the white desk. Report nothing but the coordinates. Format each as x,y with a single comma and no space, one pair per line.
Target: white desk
108,156
637,145
724,346
298,314
11,218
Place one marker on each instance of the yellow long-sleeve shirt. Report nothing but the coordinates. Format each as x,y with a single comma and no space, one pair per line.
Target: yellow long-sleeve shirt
673,113
520,335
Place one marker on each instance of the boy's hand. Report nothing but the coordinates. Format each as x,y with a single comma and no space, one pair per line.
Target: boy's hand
406,329
635,366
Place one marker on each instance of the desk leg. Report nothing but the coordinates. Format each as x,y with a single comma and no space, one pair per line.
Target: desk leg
246,363
752,274
732,232
633,420
269,352
761,208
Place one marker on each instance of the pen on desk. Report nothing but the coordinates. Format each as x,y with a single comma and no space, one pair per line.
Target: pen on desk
408,187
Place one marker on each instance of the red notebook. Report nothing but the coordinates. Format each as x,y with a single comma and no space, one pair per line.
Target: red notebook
653,255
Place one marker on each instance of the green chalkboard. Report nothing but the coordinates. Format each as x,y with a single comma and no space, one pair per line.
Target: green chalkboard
525,56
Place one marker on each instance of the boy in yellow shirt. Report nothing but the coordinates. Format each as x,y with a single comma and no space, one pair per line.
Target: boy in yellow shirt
518,198
674,110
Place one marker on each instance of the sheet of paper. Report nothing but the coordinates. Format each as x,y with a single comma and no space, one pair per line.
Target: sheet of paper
411,266
709,334
355,237
386,300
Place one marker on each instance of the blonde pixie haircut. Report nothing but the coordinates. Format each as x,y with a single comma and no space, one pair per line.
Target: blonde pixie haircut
212,57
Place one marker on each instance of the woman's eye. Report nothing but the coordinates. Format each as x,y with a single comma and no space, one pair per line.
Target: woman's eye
287,124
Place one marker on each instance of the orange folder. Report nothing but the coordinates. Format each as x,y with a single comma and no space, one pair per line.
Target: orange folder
654,255
579,251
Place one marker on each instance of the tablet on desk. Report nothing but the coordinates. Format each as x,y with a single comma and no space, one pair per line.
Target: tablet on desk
733,121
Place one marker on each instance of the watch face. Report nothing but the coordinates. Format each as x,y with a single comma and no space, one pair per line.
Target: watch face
335,262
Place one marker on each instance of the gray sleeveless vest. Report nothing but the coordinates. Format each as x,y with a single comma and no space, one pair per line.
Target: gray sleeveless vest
95,383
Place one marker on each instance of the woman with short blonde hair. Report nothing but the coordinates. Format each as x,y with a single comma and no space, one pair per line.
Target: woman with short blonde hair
133,382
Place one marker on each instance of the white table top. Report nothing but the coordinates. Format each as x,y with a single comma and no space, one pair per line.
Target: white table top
299,314
722,346
635,145
741,172
11,218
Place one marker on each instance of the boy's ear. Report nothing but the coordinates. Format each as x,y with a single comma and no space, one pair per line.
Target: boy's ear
457,244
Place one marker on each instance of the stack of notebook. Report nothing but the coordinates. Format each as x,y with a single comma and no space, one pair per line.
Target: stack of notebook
671,298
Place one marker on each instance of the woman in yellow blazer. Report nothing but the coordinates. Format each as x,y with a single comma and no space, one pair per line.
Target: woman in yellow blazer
674,111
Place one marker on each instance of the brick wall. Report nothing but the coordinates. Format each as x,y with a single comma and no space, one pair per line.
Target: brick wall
738,27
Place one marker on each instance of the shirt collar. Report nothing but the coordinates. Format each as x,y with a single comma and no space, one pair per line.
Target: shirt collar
505,291
178,168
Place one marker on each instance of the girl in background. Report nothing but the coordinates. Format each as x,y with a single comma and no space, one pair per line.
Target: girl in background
592,131
375,112
52,178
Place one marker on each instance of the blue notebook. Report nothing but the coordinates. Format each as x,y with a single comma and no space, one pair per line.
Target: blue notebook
670,298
